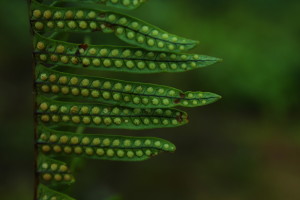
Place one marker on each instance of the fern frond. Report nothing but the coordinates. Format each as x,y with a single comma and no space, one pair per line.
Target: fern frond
117,92
45,193
129,29
115,58
122,4
53,172
103,147
61,113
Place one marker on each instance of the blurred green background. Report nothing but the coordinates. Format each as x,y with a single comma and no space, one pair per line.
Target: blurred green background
245,146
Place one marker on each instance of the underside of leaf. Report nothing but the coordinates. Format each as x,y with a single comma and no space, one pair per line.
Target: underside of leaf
45,193
114,58
122,4
131,30
117,92
103,147
61,113
53,172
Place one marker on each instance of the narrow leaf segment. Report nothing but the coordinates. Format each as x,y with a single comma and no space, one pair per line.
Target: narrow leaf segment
61,113
53,172
103,147
131,30
114,58
117,92
45,193
122,4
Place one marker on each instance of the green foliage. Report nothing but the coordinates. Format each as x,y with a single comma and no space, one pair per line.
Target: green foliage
46,193
53,172
129,29
117,92
99,146
112,58
67,100
62,113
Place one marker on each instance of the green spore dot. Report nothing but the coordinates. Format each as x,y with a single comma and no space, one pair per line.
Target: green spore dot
157,143
130,154
146,121
150,90
159,111
136,100
139,153
152,65
128,88
118,63
106,142
118,86
137,143
100,152
174,122
141,39
120,153
166,101
107,63
155,121
165,122
155,101
137,121
151,42
117,121
145,100
130,64
123,21
116,111
120,30
127,143
110,153
147,142
112,18
115,52
107,120
148,152
107,85
117,96
116,143
106,95
126,53
130,35
145,29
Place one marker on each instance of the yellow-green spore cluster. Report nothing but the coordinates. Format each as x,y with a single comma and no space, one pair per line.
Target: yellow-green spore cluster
109,58
99,116
52,171
123,93
106,147
128,29
125,4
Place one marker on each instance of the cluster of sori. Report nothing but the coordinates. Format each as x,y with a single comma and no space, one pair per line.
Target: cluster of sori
105,147
66,101
108,58
123,4
55,113
53,172
126,28
118,92
126,4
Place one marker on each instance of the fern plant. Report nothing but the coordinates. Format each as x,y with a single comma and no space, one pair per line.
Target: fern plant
65,101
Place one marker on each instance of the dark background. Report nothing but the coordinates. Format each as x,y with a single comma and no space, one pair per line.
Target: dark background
245,146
